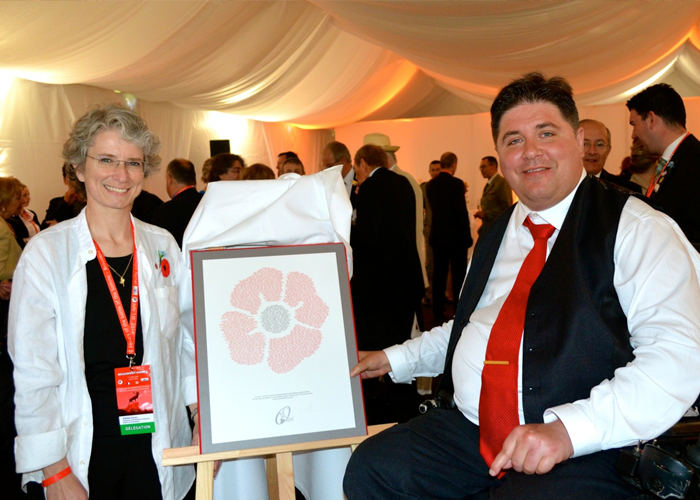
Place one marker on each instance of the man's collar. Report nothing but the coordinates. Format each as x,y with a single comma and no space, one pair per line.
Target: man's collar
554,215
350,176
184,189
668,152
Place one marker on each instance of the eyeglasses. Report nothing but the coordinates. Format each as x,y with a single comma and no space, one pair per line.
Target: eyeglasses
597,144
109,163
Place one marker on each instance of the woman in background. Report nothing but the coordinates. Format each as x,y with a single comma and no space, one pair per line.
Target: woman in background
26,222
10,192
10,195
257,172
226,167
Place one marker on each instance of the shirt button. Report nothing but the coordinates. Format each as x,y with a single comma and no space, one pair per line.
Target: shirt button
82,462
90,252
85,423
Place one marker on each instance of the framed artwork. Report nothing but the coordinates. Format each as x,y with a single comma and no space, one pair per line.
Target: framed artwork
275,342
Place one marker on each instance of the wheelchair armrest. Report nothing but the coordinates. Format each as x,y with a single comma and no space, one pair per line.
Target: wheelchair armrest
686,427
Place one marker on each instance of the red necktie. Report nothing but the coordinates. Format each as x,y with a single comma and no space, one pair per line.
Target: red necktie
498,403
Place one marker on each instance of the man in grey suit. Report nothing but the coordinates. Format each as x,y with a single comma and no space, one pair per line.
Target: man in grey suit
497,196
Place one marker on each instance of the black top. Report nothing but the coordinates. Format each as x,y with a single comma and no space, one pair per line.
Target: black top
145,205
20,229
105,345
59,210
174,215
450,219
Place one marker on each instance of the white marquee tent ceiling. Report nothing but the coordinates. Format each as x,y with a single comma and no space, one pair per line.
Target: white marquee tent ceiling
322,64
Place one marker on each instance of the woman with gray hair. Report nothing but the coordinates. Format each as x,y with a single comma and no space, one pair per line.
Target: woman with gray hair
94,319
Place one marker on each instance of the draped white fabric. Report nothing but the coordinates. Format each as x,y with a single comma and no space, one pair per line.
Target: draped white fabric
260,72
323,63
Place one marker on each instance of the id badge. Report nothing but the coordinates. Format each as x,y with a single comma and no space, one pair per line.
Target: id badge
135,400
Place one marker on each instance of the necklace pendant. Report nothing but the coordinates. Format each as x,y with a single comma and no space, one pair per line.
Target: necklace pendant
121,280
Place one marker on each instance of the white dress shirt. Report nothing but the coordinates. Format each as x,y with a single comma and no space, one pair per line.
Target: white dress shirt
671,148
348,179
656,279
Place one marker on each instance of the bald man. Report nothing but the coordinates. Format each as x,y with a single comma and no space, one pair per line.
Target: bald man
596,147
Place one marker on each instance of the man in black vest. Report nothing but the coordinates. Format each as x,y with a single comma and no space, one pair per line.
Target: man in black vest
181,184
657,116
609,344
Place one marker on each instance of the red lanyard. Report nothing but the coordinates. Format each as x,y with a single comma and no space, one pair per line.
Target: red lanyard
128,326
657,178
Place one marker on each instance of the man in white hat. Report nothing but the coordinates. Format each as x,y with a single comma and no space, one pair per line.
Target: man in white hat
383,141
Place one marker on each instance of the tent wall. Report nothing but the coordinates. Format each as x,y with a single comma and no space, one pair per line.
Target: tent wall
35,120
469,137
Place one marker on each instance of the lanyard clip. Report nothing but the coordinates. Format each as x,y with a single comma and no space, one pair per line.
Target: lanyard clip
130,357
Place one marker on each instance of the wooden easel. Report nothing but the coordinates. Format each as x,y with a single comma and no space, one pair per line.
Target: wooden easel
280,470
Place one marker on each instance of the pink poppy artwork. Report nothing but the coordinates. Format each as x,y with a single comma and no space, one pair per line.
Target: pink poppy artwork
277,319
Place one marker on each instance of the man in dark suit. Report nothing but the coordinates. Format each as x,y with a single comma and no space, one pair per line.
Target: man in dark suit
596,147
181,184
145,206
657,116
450,234
576,334
497,195
387,282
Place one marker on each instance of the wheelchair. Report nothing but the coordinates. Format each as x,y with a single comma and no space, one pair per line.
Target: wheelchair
666,467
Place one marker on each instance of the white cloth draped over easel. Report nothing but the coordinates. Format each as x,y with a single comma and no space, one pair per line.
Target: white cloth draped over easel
292,210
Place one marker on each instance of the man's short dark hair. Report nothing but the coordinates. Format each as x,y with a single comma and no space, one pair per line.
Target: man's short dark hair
288,154
339,151
221,164
182,171
447,160
533,88
491,160
294,160
373,155
434,162
663,100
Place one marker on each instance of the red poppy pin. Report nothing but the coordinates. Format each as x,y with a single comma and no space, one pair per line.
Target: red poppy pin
164,264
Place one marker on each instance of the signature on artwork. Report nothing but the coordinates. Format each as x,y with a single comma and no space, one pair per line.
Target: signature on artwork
283,415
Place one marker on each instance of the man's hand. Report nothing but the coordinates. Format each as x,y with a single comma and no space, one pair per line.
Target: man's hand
534,449
372,364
